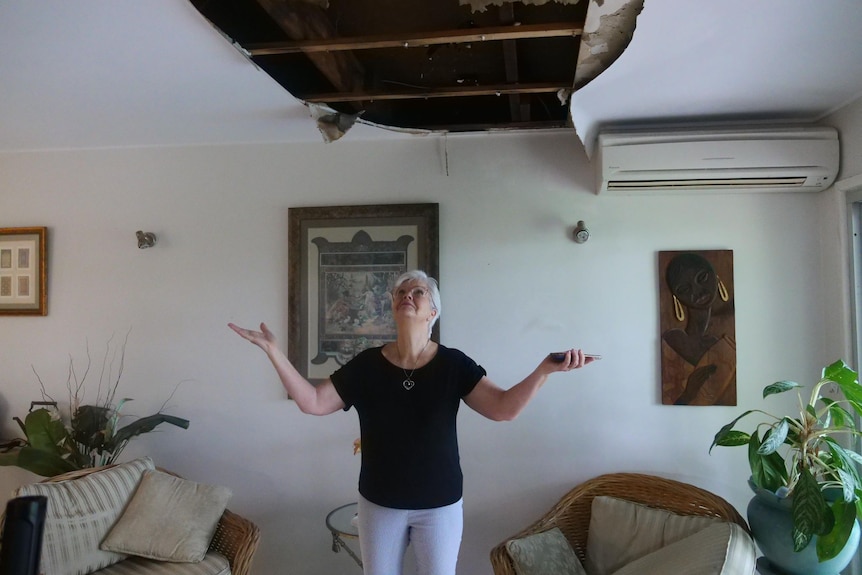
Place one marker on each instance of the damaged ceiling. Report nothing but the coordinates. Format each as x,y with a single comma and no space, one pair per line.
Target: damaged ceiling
421,65
91,74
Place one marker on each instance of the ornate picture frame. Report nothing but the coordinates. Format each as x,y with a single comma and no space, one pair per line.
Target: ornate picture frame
23,271
342,261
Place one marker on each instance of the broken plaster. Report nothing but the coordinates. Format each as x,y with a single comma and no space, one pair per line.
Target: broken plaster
332,124
608,29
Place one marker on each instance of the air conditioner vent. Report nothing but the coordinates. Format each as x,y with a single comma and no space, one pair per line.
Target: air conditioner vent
759,183
774,159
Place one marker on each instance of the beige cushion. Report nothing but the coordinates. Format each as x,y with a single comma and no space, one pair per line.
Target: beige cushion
80,513
212,564
720,549
621,531
169,519
546,553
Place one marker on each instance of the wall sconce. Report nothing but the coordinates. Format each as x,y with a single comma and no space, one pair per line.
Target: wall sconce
146,239
581,233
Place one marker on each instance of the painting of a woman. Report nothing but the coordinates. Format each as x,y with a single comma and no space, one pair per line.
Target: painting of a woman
698,328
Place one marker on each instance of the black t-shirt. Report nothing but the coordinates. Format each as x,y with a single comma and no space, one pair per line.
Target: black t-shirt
409,442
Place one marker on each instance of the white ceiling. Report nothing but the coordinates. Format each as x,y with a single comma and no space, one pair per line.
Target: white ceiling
117,73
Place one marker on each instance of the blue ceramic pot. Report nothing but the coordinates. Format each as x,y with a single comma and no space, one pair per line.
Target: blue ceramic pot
771,522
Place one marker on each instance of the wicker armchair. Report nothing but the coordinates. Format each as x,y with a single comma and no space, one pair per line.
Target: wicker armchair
572,513
236,538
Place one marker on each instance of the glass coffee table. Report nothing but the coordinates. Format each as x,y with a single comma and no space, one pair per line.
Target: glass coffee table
340,523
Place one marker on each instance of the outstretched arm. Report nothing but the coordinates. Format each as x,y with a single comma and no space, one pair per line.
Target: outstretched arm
319,400
499,404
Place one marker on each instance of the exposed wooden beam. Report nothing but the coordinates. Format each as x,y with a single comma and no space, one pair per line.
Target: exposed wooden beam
447,92
417,39
518,110
303,21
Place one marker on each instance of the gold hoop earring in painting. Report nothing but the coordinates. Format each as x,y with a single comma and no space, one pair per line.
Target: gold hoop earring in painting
722,290
678,310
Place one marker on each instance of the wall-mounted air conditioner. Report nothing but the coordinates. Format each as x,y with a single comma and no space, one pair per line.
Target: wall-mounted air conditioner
732,160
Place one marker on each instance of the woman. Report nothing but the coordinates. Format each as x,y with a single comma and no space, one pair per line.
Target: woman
407,395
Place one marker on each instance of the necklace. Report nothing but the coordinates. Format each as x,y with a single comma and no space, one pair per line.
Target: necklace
408,382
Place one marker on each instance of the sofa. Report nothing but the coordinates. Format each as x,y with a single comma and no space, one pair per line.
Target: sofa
631,524
136,519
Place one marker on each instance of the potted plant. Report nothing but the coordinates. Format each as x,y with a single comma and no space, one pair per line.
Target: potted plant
91,438
80,435
805,460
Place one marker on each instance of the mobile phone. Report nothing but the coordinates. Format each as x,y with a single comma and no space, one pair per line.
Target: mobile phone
560,356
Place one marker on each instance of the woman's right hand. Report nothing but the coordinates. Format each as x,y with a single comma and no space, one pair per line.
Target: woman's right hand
320,400
264,338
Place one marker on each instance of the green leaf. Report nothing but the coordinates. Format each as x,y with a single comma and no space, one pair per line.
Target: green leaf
43,432
774,438
111,426
725,430
841,373
844,463
767,471
839,416
779,387
811,515
89,423
849,485
854,395
848,380
144,425
851,454
9,458
43,463
733,438
829,545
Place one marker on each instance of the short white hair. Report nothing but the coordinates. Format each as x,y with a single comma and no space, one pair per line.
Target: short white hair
433,290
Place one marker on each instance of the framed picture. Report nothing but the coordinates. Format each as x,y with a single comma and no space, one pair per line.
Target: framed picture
23,270
698,327
343,261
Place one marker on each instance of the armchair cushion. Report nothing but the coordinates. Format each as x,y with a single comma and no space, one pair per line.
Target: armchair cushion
720,549
80,513
169,519
546,553
621,532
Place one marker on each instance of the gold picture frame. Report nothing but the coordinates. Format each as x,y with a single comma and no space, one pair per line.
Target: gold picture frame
23,271
342,261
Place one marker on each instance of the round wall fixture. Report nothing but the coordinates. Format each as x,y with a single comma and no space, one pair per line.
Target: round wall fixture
581,233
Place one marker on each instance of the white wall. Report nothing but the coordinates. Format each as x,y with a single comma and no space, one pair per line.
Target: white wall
834,236
514,287
849,122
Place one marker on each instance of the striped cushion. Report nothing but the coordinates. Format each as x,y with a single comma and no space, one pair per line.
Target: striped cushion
212,564
80,513
721,549
621,531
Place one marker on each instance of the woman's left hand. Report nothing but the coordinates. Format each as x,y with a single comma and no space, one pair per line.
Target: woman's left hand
500,404
573,359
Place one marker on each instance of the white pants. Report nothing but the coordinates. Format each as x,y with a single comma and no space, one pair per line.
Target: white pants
384,534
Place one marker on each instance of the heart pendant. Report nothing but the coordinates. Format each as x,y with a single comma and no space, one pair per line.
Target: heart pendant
408,384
